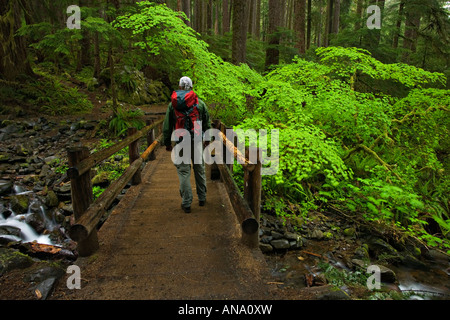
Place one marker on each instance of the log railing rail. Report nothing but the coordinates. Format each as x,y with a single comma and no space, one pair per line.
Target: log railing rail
247,206
88,213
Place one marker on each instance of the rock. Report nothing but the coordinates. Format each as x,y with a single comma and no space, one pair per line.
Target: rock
21,150
349,232
20,203
295,244
409,260
436,255
67,209
379,246
101,179
334,294
362,253
5,157
360,263
50,159
118,157
11,259
292,236
42,273
276,235
280,244
5,187
10,231
387,275
265,247
317,234
51,200
64,129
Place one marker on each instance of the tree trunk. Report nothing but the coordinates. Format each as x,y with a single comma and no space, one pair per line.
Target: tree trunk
399,24
300,25
328,23
13,53
308,28
186,8
275,14
225,16
336,16
359,10
412,24
240,26
258,20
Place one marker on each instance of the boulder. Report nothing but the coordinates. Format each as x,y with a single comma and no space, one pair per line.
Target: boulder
387,275
20,203
5,187
11,259
317,234
51,200
265,247
280,244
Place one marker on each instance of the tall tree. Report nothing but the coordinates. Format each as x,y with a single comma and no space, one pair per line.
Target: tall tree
225,16
300,24
328,23
336,16
240,27
308,25
401,7
412,24
275,14
13,53
186,8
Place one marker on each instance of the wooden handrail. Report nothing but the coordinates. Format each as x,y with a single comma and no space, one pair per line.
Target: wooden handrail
87,212
90,219
96,158
247,207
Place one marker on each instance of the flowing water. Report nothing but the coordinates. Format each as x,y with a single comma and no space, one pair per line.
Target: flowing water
27,233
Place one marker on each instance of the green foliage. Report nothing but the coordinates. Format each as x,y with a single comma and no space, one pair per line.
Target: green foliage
176,48
372,154
124,119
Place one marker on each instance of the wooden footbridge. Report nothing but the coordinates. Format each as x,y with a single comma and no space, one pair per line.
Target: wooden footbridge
148,248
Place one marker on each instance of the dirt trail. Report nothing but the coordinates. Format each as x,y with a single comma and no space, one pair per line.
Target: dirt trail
151,249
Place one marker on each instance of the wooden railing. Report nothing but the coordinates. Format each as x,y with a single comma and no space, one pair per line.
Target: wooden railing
247,206
88,213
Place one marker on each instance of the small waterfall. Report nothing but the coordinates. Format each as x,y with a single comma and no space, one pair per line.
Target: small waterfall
27,233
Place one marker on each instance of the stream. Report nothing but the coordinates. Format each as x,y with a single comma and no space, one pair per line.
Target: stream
290,268
19,226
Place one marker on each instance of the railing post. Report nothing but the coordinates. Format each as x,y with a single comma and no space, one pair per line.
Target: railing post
133,153
82,198
150,140
252,194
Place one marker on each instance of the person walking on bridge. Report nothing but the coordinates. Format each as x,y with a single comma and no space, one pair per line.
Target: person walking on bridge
188,117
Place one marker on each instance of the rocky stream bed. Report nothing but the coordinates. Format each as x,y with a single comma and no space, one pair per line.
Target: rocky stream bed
324,251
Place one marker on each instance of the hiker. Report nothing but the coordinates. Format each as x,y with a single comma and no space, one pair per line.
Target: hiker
187,111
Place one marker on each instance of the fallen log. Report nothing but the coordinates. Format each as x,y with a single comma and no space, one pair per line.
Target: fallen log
46,251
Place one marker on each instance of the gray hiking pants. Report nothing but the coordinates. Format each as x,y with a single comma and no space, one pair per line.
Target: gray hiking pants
184,175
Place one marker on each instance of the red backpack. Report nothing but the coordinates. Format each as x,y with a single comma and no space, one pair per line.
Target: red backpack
187,115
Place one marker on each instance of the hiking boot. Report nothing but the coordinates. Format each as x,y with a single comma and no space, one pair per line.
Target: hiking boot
202,203
186,209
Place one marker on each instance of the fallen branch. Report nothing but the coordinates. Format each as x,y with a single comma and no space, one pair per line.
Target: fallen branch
372,153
